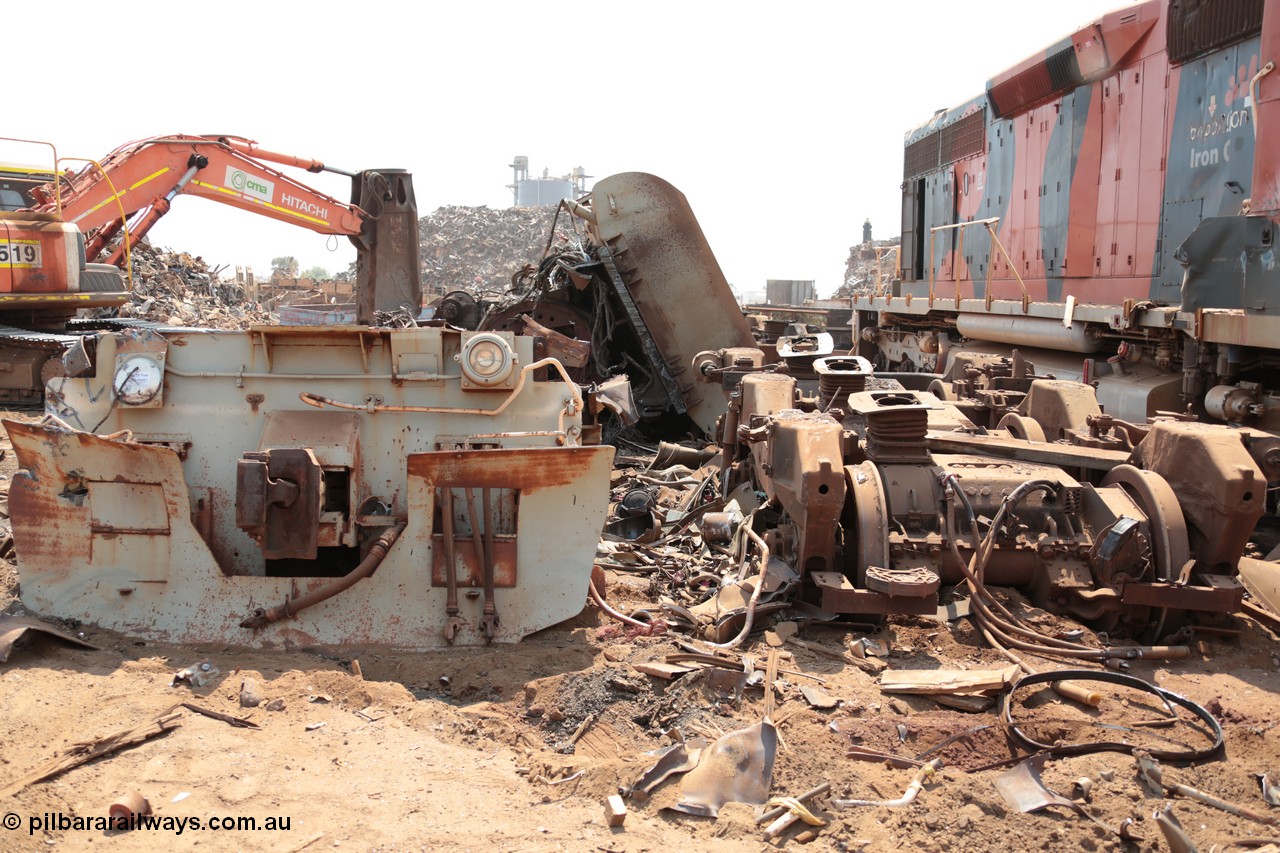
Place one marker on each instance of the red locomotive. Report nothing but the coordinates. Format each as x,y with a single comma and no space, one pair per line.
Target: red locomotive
1109,207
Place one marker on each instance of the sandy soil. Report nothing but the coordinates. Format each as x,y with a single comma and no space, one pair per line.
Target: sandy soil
465,750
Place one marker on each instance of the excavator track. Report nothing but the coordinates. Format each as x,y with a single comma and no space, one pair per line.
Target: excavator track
23,356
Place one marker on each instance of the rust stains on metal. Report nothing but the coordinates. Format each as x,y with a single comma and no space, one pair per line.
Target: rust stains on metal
528,470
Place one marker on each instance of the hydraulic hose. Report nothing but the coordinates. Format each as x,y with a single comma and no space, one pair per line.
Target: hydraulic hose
755,594
293,606
998,624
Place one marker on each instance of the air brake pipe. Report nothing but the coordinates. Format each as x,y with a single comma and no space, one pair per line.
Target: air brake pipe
1005,630
575,402
755,594
614,614
293,606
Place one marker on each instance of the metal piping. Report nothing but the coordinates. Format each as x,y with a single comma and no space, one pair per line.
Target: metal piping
293,606
574,403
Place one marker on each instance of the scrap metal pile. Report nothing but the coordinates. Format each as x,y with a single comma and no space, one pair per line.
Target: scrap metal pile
177,289
829,506
869,266
445,485
476,248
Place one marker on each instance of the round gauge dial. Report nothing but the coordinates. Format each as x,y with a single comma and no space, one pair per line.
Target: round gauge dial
138,380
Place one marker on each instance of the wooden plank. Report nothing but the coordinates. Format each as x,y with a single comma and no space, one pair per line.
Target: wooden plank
964,702
926,681
658,669
83,753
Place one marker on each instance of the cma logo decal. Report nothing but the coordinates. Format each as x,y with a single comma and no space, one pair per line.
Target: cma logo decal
251,185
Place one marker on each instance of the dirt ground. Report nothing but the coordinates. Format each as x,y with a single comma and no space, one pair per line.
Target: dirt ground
473,749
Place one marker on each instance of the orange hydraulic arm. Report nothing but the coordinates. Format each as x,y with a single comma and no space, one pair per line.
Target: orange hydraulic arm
146,176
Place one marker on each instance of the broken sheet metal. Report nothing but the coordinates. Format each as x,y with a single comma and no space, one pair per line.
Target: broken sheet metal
1262,579
1022,789
14,628
725,612
1174,835
675,759
1270,791
737,768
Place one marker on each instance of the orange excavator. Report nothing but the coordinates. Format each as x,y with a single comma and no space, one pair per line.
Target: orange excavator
65,251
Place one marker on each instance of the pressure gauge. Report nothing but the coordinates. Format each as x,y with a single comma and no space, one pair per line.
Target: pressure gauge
138,379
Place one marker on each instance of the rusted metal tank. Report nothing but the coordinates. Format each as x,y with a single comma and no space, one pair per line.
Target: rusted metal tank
296,486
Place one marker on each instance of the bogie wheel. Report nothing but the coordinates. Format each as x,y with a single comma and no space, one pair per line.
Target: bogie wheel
1022,427
866,513
942,390
1170,545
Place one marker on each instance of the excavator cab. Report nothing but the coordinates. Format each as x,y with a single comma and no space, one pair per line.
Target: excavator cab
16,183
45,278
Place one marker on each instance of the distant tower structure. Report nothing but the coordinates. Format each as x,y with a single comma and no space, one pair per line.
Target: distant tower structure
866,233
546,190
520,166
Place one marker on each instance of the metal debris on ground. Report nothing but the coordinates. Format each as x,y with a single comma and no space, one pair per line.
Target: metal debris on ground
15,628
1174,835
922,775
199,674
130,805
1152,774
736,768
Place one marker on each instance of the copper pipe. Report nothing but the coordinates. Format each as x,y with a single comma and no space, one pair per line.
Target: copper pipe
620,617
755,594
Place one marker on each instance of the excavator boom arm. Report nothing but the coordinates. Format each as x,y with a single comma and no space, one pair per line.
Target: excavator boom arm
147,175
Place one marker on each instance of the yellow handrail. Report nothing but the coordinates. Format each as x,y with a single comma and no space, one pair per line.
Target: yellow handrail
989,224
124,219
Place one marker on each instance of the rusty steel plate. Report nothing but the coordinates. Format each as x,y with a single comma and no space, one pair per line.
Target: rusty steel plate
673,277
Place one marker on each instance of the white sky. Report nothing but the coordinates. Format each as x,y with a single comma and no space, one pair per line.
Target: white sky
781,122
